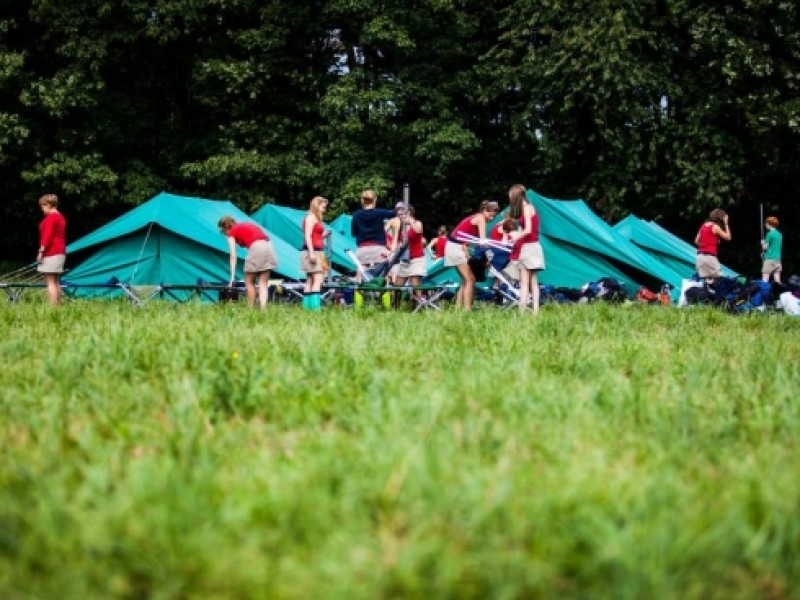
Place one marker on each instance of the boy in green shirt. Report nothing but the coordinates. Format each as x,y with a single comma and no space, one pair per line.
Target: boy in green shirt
771,245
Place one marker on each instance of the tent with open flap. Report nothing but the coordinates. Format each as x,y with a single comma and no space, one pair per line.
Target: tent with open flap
168,240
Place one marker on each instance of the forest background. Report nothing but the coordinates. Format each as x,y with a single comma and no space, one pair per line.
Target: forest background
660,108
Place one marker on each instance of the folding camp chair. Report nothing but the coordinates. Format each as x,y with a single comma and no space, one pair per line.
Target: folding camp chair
504,287
431,295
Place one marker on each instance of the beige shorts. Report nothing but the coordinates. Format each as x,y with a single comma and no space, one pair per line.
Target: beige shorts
320,266
531,256
369,255
415,268
708,266
260,257
771,266
512,270
455,254
52,264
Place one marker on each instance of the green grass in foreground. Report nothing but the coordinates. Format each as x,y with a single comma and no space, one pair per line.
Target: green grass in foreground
188,451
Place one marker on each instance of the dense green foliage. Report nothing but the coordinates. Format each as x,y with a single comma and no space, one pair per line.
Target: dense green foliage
664,108
188,451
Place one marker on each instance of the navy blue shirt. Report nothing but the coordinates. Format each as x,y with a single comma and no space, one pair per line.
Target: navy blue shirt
367,225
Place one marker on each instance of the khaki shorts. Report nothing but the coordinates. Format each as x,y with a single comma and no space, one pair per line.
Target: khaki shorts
708,266
455,254
512,270
316,267
260,257
52,264
771,266
414,268
370,255
531,256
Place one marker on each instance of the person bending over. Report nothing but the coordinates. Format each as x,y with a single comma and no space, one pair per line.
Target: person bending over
456,251
258,263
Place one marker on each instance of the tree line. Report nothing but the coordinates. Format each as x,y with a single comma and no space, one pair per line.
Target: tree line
661,108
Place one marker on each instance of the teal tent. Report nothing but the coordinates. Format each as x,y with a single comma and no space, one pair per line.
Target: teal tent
286,223
580,247
168,240
663,245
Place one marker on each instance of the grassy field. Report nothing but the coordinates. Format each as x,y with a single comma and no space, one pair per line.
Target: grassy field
198,451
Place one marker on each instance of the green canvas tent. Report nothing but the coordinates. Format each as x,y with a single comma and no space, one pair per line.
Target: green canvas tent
286,223
168,240
663,245
579,247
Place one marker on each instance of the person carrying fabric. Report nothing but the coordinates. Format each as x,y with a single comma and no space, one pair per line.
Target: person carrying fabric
531,257
52,246
714,229
367,229
456,254
771,246
258,263
312,257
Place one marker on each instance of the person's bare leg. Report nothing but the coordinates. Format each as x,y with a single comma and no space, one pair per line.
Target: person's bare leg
524,288
53,288
535,291
249,284
467,289
263,285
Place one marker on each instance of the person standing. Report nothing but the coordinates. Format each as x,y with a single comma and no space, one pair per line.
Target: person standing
414,270
714,229
258,263
456,254
437,244
771,245
52,246
367,229
531,256
312,257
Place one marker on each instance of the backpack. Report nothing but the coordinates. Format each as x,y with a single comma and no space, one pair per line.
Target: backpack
698,295
611,290
646,296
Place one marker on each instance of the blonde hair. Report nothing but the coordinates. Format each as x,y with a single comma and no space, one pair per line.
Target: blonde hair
315,207
50,200
368,197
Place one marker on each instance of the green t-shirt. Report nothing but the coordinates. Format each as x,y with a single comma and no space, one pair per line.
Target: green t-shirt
774,239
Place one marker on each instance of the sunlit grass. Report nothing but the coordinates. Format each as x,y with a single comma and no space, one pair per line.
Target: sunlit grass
198,451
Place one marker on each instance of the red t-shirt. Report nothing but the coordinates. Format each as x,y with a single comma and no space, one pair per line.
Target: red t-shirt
466,227
245,234
316,234
533,236
53,234
438,248
415,247
709,241
497,233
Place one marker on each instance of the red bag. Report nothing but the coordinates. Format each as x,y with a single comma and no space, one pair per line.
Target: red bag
646,296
